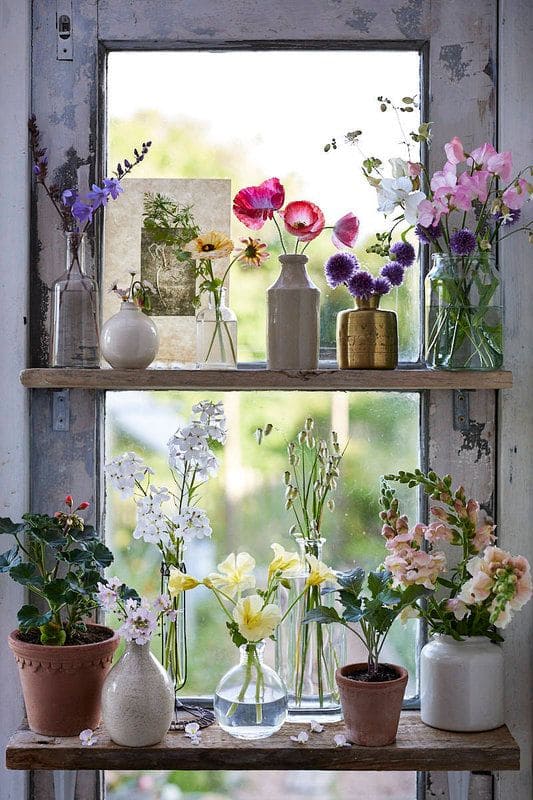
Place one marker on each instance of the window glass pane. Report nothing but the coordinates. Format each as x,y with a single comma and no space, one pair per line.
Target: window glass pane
248,116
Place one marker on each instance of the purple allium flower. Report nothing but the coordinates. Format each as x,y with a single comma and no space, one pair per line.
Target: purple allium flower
428,235
393,271
361,284
113,186
69,197
82,212
99,196
339,268
382,286
463,242
403,253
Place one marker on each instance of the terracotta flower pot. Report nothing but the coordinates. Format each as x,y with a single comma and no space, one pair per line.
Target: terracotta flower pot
371,710
62,685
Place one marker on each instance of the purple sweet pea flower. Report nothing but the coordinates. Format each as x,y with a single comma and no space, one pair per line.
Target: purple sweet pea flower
99,196
82,212
69,197
113,186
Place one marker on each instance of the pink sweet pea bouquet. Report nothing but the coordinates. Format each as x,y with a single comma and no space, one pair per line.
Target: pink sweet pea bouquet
254,205
485,587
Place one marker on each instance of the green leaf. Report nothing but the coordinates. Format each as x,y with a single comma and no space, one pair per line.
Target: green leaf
377,581
352,580
9,559
389,597
77,556
25,574
101,554
30,617
353,613
55,591
127,593
322,614
11,528
236,637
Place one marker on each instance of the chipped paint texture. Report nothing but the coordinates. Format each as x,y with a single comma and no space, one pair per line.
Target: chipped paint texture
361,20
409,18
451,56
474,440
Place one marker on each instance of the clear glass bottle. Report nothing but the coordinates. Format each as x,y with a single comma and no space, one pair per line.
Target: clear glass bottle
74,340
216,334
173,633
308,655
251,700
464,313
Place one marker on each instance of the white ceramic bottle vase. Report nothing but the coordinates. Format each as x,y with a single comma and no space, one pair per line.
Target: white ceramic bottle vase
293,317
129,339
461,684
137,698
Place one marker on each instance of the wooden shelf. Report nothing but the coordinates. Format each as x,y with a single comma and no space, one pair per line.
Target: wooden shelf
418,747
254,379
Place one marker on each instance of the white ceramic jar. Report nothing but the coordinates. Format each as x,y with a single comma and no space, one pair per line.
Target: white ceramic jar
293,321
137,698
461,684
129,339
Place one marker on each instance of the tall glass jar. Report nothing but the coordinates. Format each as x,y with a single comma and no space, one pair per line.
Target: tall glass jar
308,655
75,320
173,632
216,334
251,700
464,313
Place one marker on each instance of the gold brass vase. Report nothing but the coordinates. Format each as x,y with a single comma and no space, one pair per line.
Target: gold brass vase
367,338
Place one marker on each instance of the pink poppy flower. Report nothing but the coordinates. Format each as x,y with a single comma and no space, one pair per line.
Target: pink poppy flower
255,204
481,155
454,151
345,231
516,195
501,164
303,219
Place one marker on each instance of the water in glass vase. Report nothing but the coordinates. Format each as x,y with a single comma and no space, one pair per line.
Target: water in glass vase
216,334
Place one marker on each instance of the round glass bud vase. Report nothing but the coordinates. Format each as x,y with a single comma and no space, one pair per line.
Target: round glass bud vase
251,700
461,684
367,337
216,334
307,656
464,313
129,339
293,317
75,318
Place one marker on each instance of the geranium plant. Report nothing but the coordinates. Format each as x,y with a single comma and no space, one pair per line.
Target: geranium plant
480,592
59,559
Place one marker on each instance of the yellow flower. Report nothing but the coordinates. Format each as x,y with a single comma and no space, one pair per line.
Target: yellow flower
283,561
180,582
253,253
320,572
254,621
235,574
211,244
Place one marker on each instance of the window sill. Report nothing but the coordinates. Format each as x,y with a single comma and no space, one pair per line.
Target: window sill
418,747
252,378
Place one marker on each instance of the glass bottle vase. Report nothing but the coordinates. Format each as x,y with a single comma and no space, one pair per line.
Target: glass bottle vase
308,655
464,313
216,334
173,633
74,340
250,701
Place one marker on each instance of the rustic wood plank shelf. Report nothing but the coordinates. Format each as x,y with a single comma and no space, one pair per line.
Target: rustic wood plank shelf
418,747
243,379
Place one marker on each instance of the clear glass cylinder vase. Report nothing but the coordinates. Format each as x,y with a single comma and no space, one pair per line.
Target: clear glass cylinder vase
250,701
464,313
308,655
74,340
216,334
173,632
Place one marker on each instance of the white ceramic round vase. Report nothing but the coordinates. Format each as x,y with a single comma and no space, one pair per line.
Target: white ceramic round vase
137,698
129,339
293,317
461,684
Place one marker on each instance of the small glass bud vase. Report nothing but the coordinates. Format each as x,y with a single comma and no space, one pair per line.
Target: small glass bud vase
367,337
75,317
308,655
251,700
216,334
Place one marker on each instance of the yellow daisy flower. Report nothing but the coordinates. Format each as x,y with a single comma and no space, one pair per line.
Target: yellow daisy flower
211,244
253,253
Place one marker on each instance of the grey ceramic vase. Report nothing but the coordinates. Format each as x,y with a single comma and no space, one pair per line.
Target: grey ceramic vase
137,698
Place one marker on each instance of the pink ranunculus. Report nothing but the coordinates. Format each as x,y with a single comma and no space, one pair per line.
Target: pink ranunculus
516,195
414,169
345,231
454,151
446,178
501,164
303,219
477,184
255,204
481,155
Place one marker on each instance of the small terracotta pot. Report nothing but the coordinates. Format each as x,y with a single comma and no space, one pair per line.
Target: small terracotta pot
371,710
62,685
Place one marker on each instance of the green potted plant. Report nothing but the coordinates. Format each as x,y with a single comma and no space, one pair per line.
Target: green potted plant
63,660
371,692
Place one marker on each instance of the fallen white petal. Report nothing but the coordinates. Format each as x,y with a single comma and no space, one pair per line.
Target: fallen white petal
87,738
302,738
191,729
316,727
340,740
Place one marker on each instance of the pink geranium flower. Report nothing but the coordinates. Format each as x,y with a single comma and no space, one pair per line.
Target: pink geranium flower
255,204
345,231
516,195
454,151
303,219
